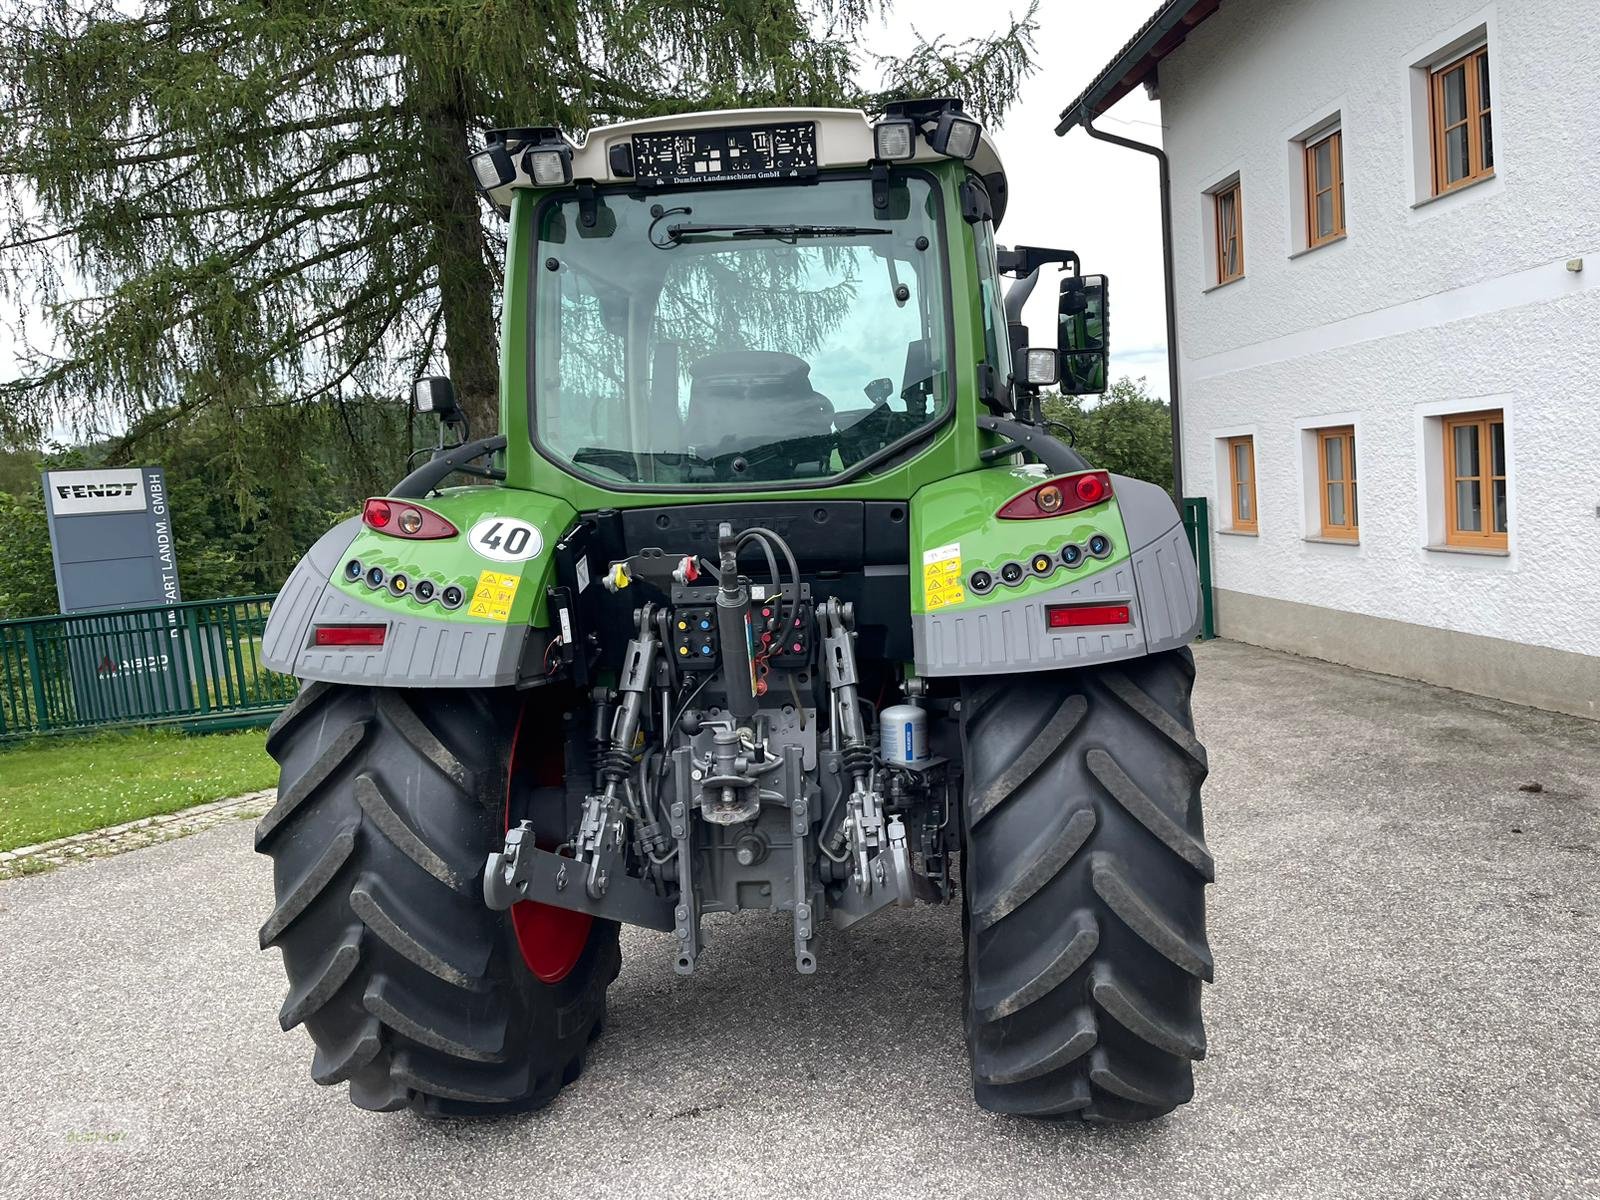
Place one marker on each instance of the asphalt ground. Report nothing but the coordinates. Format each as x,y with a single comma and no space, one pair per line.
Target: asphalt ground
1405,1006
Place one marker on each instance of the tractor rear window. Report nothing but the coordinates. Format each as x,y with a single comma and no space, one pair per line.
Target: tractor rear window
738,335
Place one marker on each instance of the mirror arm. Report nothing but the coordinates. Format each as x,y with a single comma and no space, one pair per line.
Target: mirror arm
1030,439
1024,260
430,474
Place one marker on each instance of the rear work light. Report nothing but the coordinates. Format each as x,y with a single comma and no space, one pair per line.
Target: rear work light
1071,616
399,518
348,635
1057,497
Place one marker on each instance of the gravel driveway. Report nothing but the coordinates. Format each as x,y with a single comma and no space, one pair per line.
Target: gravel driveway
1406,1005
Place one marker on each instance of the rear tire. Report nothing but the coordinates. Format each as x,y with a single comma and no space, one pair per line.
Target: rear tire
413,990
1085,869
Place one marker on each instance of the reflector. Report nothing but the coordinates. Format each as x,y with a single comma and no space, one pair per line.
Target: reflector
1071,616
348,635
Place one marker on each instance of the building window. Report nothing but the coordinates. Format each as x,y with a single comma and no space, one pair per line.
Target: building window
1475,481
1324,188
1336,471
1242,482
1463,139
1228,210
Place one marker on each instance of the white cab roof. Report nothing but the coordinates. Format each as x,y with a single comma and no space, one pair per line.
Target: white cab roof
844,139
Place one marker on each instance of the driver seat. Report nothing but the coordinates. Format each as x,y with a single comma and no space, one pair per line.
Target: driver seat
742,399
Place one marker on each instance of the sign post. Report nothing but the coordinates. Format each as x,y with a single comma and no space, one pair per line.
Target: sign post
111,537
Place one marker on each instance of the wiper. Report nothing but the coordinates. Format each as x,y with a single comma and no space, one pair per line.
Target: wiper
782,233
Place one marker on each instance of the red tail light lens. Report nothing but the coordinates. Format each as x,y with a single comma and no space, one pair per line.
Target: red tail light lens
348,635
1071,616
398,518
1057,497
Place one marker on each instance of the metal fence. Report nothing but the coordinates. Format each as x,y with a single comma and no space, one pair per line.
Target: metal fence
195,664
1197,524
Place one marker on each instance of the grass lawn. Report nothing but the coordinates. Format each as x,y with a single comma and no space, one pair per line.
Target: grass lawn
52,787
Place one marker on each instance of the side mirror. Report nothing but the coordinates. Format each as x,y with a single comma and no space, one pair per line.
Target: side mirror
437,395
1083,334
1041,366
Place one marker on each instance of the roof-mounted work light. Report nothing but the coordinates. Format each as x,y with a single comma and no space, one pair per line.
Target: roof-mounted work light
492,167
549,166
894,139
941,121
955,135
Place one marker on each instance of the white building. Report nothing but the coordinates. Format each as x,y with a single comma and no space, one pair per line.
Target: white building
1386,258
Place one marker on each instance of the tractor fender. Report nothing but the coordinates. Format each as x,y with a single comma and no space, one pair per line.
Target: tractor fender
967,620
496,635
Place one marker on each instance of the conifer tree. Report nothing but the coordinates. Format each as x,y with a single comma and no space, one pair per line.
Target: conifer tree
224,204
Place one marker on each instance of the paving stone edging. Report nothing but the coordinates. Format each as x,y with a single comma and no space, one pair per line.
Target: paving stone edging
147,831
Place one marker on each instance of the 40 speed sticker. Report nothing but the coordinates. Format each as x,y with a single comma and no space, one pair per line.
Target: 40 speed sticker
505,539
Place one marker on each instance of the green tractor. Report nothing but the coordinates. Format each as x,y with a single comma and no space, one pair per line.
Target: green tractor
779,596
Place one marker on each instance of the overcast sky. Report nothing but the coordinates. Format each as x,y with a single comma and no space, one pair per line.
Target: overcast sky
1072,192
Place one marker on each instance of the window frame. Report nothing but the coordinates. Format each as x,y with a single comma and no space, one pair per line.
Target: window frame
1350,530
1487,538
1334,138
1234,190
1472,121
1239,525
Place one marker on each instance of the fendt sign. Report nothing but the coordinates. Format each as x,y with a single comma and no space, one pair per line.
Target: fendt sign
107,491
111,538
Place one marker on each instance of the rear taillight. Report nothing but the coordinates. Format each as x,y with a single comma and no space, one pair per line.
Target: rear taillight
400,519
1057,497
348,635
1071,616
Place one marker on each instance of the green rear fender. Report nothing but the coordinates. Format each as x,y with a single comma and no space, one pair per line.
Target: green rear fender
499,559
983,588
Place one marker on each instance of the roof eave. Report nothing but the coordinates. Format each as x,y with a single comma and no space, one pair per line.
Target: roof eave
1136,61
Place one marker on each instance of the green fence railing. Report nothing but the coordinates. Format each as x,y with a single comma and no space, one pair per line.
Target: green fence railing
1197,524
196,664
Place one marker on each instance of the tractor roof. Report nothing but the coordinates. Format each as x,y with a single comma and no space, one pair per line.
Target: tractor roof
844,139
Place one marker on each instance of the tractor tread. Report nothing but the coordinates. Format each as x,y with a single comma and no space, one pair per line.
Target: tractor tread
305,700
1060,1043
1148,813
410,726
413,992
1050,736
369,795
1138,1016
1059,845
1141,702
487,1040
1141,915
1038,1098
310,885
1085,937
344,1059
1085,963
297,793
321,984
502,1086
367,901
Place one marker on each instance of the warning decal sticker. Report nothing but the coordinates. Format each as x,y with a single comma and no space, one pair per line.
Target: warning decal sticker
941,577
493,596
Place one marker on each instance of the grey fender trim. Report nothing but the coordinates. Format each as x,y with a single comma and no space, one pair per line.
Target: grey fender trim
1158,582
417,651
1012,636
288,626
